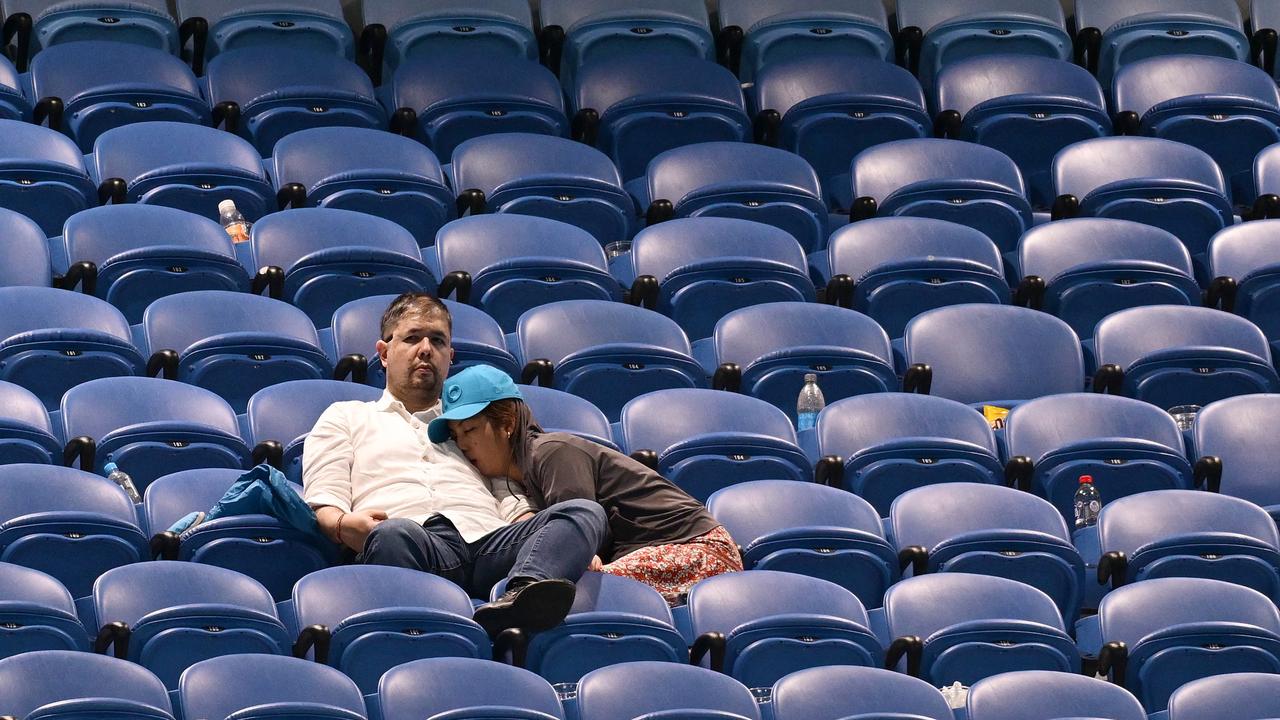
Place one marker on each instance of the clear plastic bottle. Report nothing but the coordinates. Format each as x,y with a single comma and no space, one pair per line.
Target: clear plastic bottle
810,403
233,222
1088,502
121,478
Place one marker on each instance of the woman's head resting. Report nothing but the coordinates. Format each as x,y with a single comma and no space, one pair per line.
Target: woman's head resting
479,411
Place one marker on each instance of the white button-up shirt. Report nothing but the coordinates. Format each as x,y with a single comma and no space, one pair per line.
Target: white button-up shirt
376,456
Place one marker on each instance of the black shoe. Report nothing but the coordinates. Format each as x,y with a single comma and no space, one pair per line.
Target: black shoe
534,607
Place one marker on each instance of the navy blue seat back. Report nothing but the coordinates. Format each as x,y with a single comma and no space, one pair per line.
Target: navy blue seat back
316,25
1026,107
1040,695
137,22
103,85
140,253
766,350
506,264
605,352
1231,438
864,693
944,179
396,30
624,692
1126,446
557,411
816,107
366,170
634,107
25,256
1243,264
1238,696
231,343
703,440
68,684
1083,269
39,613
42,175
52,340
285,413
756,34
550,177
895,268
809,529
697,270
183,166
26,435
431,688
1171,355
877,445
254,686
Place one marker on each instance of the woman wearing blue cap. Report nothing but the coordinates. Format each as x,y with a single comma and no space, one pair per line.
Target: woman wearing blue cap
661,535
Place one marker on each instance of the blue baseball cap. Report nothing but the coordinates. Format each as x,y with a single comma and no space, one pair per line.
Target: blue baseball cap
468,393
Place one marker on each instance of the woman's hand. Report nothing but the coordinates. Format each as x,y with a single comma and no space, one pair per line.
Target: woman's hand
596,564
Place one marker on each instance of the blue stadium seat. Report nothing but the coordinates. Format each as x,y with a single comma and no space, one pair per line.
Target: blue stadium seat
149,427
38,24
991,354
550,177
231,343
1243,262
756,34
26,435
1154,636
1171,355
258,686
38,613
445,97
1126,446
13,104
42,175
605,352
932,35
1026,107
874,445
734,180
167,616
634,107
354,333
265,92
1227,108
864,692
86,88
895,268
1238,696
1232,438
1040,695
183,166
661,690
66,685
952,626
369,171
703,440
397,30
697,270
318,259
1187,533
215,26
1153,181
259,546
280,417
68,523
557,411
130,255
575,33
1083,269
944,179
52,340
506,264
759,625
1112,34
811,530
431,688
25,259
366,619
631,616
766,350
989,530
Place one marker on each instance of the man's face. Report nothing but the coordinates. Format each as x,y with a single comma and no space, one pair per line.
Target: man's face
417,357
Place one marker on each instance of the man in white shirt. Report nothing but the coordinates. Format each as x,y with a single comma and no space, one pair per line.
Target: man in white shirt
382,488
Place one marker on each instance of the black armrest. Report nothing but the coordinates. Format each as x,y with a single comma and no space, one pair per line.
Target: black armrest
113,635
17,29
50,109
540,371
729,47
766,125
1064,207
270,452
644,292
165,546
1018,472
163,362
863,208
271,279
916,557
1113,567
195,29
83,273
840,291
728,376
712,642
471,201
585,126
1208,473
112,191
292,195
907,46
456,283
227,114
829,471
1126,122
550,47
354,365
1113,660
918,379
648,458
1262,49
1221,294
82,450
404,122
1088,43
1108,379
947,124
912,648
1030,292
372,49
514,641
315,637
659,211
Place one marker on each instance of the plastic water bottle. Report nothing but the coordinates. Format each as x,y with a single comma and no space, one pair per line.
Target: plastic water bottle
233,222
1088,503
121,478
810,403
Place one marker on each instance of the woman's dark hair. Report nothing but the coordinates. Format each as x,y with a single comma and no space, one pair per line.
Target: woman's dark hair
503,412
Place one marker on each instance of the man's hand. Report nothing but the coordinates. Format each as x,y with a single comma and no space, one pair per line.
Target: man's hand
523,517
596,564
356,526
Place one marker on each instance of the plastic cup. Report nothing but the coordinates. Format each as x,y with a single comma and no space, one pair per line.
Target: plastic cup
1185,415
617,249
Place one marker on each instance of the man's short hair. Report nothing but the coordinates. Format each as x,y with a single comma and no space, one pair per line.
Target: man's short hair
411,303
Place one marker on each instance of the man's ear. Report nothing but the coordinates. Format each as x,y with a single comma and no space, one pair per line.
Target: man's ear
381,347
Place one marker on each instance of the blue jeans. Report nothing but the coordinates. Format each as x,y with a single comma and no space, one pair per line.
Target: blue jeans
556,543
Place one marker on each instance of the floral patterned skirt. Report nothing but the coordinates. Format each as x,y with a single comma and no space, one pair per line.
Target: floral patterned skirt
673,569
